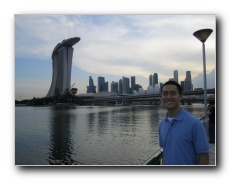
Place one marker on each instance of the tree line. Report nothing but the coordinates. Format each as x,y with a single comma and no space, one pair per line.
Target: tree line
69,96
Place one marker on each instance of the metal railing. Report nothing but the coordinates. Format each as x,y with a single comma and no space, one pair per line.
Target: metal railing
155,159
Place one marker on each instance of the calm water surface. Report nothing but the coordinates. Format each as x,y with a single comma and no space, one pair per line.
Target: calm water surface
88,135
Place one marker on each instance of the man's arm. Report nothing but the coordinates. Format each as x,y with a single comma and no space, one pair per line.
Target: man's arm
203,159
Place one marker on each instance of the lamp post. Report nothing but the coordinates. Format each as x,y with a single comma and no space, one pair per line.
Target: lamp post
203,35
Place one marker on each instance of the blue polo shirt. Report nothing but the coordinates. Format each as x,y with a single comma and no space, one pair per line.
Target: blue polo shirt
182,139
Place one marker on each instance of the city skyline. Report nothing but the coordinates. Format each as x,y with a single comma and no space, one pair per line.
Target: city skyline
187,77
115,46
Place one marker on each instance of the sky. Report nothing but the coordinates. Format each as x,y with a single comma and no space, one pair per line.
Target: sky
112,46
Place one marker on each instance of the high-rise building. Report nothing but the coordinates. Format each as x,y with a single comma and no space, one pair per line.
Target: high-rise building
102,85
188,76
175,75
182,85
106,86
155,79
62,64
120,87
125,85
188,81
114,87
133,82
150,80
91,88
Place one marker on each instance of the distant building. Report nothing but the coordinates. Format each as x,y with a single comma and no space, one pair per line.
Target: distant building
106,87
156,89
114,87
133,81
125,85
149,90
141,91
91,88
120,86
188,82
175,75
188,76
155,79
182,85
150,80
62,63
102,85
153,90
187,86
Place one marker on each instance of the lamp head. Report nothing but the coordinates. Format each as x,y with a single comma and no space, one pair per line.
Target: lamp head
203,34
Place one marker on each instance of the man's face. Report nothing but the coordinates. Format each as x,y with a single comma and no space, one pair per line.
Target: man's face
170,97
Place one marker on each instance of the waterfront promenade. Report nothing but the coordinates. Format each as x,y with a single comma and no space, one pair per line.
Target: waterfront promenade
212,157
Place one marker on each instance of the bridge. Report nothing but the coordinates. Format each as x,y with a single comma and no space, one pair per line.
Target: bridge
188,97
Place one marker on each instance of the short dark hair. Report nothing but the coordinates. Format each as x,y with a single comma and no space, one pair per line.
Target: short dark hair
173,83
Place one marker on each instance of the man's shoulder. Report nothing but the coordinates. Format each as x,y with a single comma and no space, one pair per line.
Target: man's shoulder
189,117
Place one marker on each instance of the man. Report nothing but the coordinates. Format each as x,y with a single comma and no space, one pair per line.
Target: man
181,135
211,116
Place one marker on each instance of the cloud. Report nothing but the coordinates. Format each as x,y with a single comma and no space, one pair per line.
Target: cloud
199,82
138,43
120,45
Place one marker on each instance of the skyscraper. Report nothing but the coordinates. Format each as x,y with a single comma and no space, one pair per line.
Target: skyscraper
155,79
62,63
188,76
175,73
150,80
91,88
102,85
125,85
120,86
106,86
133,82
182,85
114,87
188,81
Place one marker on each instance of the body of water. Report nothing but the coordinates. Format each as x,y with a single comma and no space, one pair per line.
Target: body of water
88,135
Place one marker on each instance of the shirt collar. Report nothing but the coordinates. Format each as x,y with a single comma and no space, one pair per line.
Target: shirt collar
179,116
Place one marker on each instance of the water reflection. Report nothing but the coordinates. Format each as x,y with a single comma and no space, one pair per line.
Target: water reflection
154,117
61,141
91,117
103,135
102,122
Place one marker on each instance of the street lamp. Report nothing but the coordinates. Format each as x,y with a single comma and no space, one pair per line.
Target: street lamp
203,35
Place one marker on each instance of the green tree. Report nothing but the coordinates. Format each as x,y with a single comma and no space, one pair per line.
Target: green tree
74,91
